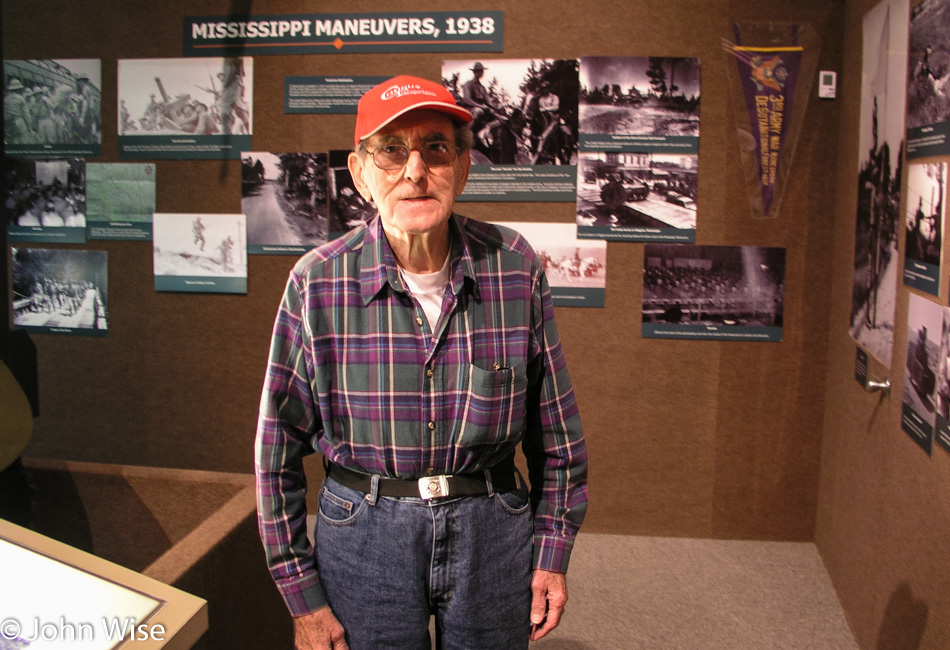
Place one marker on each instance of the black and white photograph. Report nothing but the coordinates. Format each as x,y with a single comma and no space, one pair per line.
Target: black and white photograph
942,395
628,196
924,222
284,197
713,292
928,75
53,107
525,110
200,252
61,291
175,96
925,323
576,269
46,200
346,207
639,96
881,142
210,100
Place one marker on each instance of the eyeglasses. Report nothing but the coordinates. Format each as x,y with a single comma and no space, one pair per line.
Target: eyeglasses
390,157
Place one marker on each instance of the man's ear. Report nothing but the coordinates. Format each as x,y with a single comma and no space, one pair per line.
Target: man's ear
355,163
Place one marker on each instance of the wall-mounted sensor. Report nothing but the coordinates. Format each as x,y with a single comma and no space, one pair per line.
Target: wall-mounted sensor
827,82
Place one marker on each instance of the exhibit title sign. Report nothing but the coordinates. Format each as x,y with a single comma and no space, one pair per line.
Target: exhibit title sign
437,31
769,75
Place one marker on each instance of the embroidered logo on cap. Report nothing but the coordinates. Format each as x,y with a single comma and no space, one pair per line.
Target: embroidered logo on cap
395,92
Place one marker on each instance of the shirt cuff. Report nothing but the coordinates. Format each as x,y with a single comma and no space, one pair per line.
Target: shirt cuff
552,553
303,594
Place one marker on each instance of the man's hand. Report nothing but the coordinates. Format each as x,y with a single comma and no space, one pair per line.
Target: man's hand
319,630
548,597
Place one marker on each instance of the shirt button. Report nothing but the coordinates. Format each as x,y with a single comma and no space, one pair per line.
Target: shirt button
431,426
418,320
430,471
430,373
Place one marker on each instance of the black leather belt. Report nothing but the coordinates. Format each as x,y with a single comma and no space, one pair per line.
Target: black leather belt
429,487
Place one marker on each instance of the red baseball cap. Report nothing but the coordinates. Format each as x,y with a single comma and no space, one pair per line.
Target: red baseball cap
399,95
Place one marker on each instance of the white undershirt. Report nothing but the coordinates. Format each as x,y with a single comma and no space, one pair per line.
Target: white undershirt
428,289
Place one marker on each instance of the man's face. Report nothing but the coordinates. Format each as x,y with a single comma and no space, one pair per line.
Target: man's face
415,199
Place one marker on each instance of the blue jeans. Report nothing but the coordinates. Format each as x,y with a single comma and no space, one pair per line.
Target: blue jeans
388,564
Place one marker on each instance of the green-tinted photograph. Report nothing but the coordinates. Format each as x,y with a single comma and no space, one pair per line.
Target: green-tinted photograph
120,200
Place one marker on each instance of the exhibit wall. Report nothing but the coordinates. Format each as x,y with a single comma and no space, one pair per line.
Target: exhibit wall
883,526
698,438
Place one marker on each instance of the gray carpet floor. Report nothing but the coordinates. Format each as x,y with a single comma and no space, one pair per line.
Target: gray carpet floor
651,593
658,593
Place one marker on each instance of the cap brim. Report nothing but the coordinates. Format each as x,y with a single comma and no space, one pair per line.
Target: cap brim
457,113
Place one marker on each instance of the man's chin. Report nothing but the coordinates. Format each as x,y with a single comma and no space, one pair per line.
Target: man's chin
419,219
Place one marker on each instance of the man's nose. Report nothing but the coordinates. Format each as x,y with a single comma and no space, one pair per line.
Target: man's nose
416,168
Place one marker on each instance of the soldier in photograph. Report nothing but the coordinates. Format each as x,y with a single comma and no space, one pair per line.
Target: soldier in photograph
16,115
476,99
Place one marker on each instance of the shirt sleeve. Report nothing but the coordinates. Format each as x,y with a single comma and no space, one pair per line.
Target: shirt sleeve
287,425
554,443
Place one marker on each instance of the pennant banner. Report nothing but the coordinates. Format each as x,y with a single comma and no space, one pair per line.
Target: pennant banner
770,69
769,76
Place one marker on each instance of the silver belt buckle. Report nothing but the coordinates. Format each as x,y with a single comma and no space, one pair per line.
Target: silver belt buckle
433,486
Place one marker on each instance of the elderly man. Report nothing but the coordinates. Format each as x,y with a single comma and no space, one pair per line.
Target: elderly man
416,353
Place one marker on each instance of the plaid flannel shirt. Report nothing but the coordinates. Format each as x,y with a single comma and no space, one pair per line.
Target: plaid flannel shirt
356,374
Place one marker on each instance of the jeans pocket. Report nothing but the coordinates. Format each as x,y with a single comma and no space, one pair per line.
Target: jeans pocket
515,502
340,506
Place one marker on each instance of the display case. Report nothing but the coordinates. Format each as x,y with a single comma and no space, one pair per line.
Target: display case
57,596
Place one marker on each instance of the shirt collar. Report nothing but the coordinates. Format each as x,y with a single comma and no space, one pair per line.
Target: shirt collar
378,267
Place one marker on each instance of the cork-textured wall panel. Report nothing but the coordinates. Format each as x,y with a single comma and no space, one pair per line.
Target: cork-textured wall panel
883,526
686,438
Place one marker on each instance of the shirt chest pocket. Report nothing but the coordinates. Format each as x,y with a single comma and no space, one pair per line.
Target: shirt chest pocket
494,409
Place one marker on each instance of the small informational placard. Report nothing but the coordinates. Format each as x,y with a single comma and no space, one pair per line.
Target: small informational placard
185,109
434,31
716,293
861,367
120,201
326,95
926,141
545,183
200,253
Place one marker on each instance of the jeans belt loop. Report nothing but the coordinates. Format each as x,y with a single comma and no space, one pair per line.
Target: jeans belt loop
491,489
373,495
